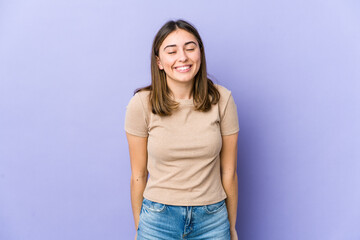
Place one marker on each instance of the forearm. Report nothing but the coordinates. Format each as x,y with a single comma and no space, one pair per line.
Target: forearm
137,186
230,184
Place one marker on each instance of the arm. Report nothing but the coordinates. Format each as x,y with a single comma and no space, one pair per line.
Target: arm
228,161
138,159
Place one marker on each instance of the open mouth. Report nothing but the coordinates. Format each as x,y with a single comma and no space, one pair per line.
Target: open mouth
184,68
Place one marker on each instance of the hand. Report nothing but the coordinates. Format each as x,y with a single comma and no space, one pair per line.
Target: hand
233,234
136,235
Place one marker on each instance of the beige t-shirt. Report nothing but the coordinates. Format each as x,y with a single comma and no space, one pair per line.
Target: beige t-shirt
183,149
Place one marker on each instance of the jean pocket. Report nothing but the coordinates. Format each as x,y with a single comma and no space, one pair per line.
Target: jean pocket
215,207
153,206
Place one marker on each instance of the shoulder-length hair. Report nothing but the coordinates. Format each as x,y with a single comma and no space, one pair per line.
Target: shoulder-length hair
204,91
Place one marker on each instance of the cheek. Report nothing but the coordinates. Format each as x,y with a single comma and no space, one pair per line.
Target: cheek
167,62
197,56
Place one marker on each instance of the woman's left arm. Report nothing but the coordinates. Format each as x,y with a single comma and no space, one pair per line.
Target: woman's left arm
229,178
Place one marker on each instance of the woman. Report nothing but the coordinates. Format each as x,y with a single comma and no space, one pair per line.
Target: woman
182,130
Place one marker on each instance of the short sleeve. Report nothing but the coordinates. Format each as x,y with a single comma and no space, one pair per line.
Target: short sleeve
135,117
229,119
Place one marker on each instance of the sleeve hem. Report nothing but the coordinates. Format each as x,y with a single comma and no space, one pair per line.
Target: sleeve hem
136,133
230,132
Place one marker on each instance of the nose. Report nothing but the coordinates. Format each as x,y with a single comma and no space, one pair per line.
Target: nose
183,57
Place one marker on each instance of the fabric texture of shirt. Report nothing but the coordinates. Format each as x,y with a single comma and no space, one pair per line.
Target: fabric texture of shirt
184,148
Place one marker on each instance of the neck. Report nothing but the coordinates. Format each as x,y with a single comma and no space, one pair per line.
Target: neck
181,90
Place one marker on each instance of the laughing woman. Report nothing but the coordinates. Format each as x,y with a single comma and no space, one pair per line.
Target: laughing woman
182,132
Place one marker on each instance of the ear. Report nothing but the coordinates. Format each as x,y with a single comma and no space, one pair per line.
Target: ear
159,63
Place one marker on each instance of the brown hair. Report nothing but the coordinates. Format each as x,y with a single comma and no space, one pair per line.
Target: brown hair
204,91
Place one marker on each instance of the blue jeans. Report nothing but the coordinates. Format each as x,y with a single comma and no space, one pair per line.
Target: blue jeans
161,221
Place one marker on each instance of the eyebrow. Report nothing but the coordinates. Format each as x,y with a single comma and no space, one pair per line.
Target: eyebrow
174,45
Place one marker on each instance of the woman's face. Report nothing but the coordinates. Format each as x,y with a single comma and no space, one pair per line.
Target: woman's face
179,56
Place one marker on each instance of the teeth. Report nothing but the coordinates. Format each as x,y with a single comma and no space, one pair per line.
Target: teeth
183,68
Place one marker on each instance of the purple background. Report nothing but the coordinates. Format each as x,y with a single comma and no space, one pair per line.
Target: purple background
68,69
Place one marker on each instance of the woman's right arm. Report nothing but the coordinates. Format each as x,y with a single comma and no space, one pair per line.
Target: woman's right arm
139,173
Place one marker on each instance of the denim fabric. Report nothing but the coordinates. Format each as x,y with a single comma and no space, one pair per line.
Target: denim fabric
161,221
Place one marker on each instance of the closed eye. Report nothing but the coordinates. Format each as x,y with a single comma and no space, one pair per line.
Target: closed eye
191,49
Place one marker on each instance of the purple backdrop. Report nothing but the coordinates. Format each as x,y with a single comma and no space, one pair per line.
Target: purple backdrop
68,69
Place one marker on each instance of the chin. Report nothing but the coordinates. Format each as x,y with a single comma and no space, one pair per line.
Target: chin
185,80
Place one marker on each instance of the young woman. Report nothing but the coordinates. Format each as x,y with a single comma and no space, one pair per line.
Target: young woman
182,130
